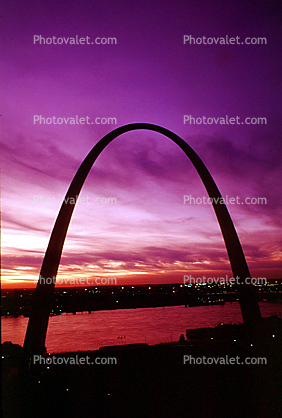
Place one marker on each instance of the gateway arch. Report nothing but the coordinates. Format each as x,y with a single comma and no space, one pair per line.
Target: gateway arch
42,302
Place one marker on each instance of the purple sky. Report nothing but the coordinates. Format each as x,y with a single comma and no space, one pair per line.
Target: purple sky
149,235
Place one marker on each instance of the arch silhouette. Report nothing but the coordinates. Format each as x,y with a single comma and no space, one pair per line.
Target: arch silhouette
42,301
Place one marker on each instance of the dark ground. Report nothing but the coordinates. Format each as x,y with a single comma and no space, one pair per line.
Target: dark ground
147,381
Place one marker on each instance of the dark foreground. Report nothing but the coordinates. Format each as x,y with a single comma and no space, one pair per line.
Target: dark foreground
147,381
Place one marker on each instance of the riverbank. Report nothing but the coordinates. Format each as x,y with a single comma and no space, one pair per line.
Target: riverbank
164,380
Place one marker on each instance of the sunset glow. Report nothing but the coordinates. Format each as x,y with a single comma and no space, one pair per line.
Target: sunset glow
145,234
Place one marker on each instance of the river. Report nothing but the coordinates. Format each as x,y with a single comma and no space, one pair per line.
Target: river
85,331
